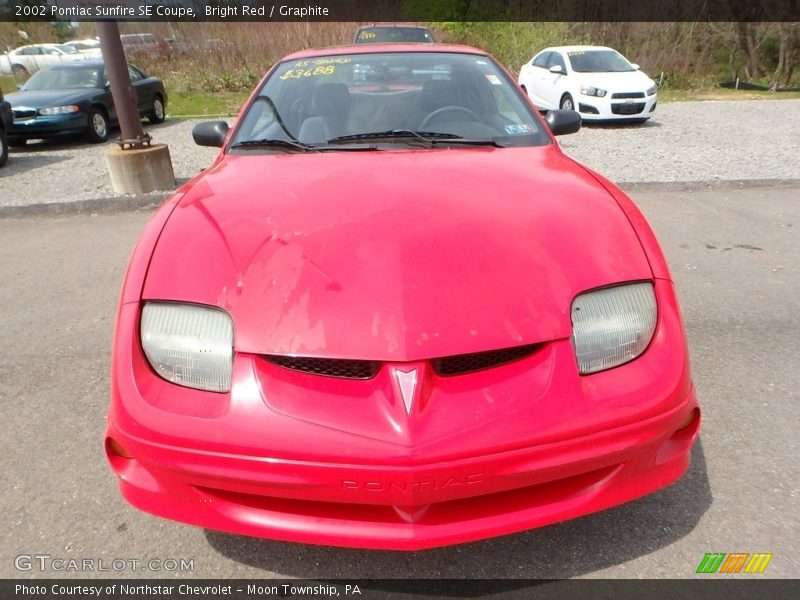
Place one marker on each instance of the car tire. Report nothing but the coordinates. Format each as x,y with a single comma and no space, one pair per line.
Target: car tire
19,71
16,142
567,103
3,148
158,114
98,125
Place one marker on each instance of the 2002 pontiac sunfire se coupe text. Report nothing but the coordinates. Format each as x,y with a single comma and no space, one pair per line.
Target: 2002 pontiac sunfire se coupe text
394,314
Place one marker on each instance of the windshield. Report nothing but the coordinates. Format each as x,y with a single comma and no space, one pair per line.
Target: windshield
59,79
379,35
598,61
449,95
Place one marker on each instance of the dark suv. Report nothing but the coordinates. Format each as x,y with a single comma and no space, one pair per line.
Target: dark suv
5,123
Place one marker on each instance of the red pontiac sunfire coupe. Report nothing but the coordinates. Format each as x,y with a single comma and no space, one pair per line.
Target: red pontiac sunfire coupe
394,314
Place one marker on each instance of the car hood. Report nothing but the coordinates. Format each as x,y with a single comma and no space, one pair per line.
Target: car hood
628,81
45,98
394,255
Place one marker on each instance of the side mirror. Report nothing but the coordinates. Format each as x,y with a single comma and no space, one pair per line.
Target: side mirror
210,133
635,66
557,69
562,122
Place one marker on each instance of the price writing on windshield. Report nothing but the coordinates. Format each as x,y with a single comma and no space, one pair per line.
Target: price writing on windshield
315,72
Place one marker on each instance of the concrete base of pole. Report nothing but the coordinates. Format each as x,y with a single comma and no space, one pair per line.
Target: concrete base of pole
141,170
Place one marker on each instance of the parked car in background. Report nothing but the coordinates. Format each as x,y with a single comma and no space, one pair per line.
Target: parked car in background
393,313
26,60
382,34
87,46
144,43
597,81
5,123
75,99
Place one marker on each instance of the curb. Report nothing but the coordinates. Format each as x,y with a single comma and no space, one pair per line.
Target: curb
118,204
112,205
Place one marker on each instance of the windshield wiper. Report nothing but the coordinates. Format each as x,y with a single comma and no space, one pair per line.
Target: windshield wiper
274,143
429,138
492,142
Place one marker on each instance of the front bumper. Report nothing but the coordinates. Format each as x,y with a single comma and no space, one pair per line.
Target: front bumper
543,446
593,108
49,125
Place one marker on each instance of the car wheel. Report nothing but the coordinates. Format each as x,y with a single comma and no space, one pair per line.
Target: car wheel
3,148
158,113
98,125
19,71
567,102
16,142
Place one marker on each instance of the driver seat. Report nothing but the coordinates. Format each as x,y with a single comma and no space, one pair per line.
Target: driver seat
330,103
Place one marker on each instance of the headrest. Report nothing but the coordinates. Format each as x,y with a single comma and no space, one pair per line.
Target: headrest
330,99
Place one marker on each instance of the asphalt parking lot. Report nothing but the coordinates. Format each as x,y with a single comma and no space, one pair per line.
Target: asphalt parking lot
733,250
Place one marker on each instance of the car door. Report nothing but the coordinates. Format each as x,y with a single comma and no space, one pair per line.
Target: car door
554,84
143,88
532,78
30,58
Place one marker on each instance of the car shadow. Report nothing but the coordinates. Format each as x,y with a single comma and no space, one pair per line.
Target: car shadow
21,162
650,123
77,142
564,550
54,144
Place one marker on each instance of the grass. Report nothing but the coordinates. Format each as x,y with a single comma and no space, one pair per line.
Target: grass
204,104
718,93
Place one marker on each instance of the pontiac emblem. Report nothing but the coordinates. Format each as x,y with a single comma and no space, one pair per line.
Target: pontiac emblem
407,382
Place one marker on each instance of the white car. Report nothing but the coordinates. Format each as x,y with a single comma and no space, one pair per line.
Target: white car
87,46
26,60
596,81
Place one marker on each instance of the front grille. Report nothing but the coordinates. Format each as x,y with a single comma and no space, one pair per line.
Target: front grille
328,367
629,108
624,95
478,361
367,369
24,113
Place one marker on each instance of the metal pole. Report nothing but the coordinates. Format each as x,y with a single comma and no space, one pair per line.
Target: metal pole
121,88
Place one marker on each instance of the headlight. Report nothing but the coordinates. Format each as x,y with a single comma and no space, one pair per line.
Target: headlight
612,326
188,344
59,110
588,90
652,90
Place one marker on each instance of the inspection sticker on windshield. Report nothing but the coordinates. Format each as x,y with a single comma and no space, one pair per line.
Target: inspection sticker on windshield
520,129
493,79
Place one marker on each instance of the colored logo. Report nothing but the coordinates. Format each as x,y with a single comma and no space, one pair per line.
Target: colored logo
734,562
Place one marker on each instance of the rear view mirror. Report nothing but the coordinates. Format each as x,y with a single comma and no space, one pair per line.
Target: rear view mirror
562,122
557,69
635,66
210,133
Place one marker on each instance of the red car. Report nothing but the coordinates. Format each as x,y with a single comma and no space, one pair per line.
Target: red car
394,314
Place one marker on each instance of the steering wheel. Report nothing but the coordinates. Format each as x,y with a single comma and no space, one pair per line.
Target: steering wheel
470,113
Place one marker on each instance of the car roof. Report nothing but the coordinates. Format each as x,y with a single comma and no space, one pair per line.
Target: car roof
575,48
386,48
77,64
397,25
47,45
